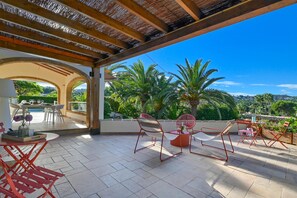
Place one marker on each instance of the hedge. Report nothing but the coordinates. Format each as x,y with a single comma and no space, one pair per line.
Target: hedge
44,98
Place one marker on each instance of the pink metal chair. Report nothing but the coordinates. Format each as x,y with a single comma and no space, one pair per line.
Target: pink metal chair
186,120
252,134
208,134
153,128
147,116
27,182
277,137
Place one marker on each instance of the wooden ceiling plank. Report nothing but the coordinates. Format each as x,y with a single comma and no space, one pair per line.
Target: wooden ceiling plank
191,8
57,68
17,41
21,46
102,18
54,32
42,12
50,69
237,13
46,40
145,15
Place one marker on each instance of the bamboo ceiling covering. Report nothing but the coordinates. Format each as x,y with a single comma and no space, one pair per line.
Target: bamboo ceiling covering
97,33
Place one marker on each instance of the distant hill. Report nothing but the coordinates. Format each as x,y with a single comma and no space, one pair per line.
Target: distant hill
275,97
79,91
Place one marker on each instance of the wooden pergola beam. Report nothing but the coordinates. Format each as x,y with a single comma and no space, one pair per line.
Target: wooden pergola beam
18,45
191,8
75,25
47,40
54,32
237,13
145,15
102,18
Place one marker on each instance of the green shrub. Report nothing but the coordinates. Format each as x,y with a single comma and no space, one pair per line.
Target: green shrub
207,112
278,126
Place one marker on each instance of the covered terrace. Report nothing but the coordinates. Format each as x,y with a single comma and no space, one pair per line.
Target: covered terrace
86,36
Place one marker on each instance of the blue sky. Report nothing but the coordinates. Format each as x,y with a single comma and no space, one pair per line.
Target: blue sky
255,56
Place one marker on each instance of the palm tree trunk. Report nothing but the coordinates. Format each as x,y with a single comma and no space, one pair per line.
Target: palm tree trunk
194,110
142,106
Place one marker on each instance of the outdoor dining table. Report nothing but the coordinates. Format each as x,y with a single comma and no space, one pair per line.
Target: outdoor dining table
24,169
26,106
23,152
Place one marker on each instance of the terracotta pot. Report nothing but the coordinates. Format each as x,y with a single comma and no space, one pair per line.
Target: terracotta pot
287,138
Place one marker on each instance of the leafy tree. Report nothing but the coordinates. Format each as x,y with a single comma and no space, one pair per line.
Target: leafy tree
194,81
80,96
27,88
52,94
284,108
243,106
48,90
262,104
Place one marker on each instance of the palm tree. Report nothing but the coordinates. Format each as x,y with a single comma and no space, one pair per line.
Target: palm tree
136,82
164,95
194,81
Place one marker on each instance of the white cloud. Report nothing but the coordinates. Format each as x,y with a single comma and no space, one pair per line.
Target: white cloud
288,86
227,83
241,94
260,84
286,92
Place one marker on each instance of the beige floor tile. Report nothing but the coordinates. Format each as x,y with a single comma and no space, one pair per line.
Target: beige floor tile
123,175
132,186
163,189
86,183
108,180
115,191
143,193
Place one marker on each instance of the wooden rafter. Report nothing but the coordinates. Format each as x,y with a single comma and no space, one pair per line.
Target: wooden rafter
102,18
145,15
191,8
18,45
39,11
54,32
237,13
51,69
47,40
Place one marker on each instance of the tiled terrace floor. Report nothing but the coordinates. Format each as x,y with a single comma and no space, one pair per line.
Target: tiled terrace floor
105,166
38,124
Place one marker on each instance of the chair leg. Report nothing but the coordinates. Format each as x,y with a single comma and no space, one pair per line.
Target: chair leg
215,157
151,145
278,140
173,155
226,153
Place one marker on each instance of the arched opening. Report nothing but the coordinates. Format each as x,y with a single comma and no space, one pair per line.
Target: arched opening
77,96
58,74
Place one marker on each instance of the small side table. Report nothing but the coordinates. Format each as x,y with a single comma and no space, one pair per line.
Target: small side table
182,140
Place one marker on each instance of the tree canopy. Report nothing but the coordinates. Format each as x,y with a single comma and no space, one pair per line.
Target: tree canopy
27,88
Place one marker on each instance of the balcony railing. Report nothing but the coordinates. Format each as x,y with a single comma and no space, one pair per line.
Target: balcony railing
80,107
